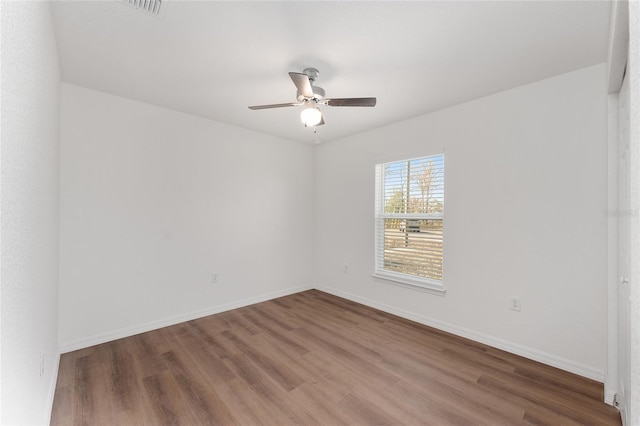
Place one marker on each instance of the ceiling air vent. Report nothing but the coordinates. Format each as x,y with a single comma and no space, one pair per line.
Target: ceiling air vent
152,7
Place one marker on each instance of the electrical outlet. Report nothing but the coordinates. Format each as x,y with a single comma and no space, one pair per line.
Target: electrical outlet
516,303
214,277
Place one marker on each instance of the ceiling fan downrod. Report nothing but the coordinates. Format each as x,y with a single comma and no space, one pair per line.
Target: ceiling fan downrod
312,73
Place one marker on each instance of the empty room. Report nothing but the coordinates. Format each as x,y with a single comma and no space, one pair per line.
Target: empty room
319,212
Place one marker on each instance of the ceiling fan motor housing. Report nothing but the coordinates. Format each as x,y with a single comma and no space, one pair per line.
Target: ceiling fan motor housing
318,94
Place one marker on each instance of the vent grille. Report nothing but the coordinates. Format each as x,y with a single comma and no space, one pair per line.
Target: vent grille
152,7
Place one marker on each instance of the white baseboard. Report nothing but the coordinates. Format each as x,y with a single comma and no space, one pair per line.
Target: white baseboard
609,395
534,354
154,325
52,388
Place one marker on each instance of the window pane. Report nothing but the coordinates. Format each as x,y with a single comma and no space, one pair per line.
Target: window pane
414,186
414,247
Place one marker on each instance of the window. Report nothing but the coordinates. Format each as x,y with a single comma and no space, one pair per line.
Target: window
409,221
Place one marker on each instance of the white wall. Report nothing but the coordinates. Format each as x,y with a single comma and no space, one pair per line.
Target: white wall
29,211
153,201
634,128
525,202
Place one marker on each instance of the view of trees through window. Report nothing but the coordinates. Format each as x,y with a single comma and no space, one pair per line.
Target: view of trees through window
413,207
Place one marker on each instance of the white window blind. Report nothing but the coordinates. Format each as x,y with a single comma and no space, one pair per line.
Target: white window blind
409,221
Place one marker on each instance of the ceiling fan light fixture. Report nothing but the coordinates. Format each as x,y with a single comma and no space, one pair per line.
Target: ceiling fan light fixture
310,97
311,116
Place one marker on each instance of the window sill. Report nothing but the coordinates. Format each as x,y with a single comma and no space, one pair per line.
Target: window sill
411,283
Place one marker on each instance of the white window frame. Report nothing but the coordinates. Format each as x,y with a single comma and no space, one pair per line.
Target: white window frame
405,280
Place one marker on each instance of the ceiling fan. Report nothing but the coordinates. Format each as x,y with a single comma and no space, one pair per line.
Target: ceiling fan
311,97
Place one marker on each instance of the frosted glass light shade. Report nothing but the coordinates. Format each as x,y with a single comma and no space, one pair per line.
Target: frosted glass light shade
311,116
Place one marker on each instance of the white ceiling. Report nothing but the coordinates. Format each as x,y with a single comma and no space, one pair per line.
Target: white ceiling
215,58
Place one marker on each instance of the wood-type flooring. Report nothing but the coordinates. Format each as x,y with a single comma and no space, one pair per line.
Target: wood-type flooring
315,359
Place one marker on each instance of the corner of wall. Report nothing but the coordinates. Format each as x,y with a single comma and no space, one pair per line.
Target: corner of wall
52,388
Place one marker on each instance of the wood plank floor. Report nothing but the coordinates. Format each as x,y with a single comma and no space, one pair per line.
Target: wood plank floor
313,358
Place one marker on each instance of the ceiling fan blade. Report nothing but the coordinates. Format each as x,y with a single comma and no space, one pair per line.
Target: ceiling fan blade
351,102
288,104
302,83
